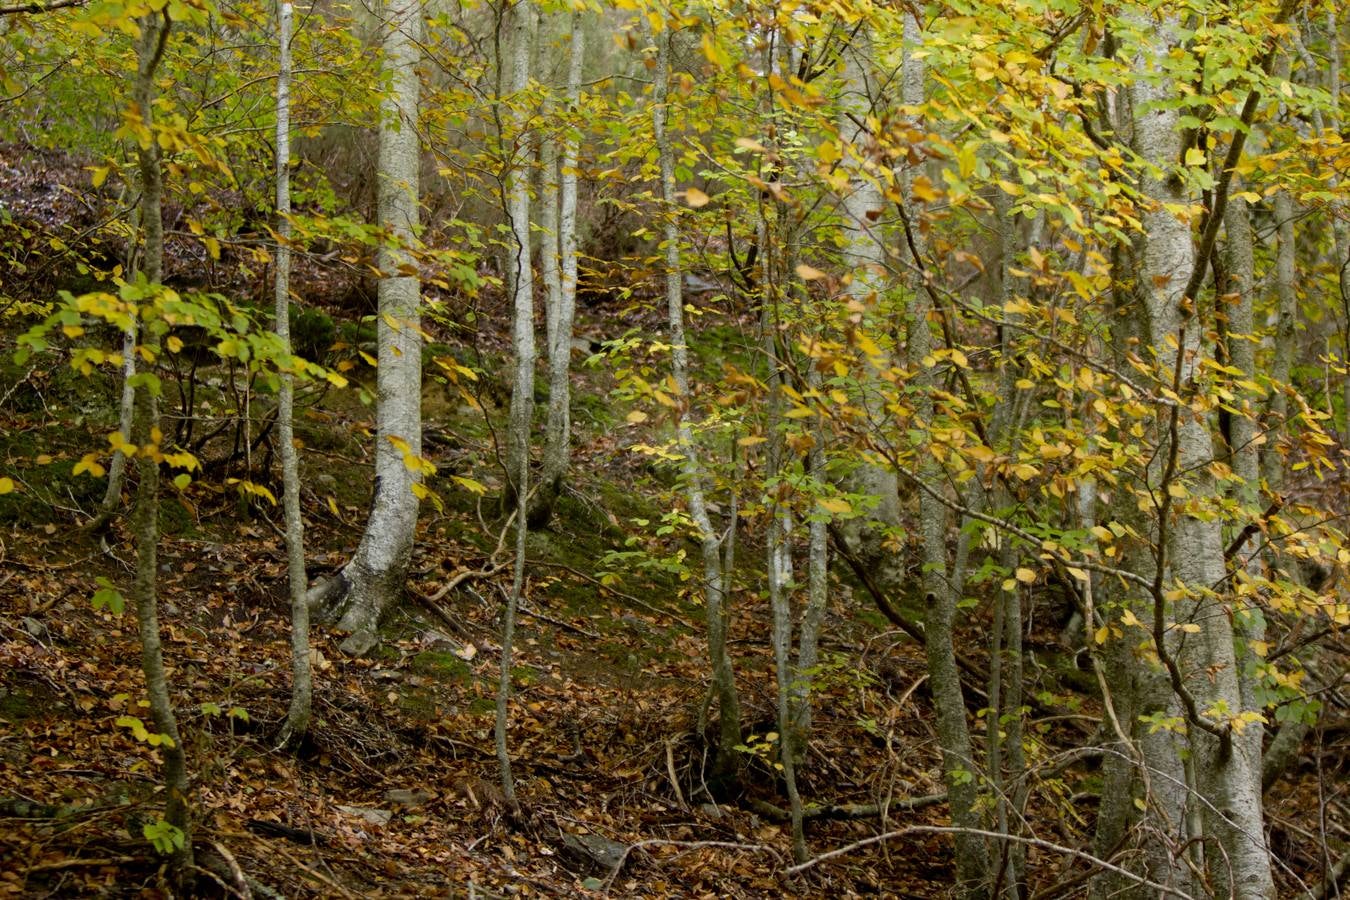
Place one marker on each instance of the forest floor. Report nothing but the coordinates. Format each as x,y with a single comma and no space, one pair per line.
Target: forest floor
395,793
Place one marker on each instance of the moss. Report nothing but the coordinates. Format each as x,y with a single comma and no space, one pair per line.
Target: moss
442,664
483,706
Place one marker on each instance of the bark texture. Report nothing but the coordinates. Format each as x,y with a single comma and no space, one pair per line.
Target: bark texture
1228,778
958,760
297,714
373,580
559,258
523,17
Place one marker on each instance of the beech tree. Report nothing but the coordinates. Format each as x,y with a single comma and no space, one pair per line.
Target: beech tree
373,579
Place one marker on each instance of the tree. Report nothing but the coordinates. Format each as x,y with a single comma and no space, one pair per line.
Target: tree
373,579
517,191
146,436
559,263
716,574
297,715
1189,543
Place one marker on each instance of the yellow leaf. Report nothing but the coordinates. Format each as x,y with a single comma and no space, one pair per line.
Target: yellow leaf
1190,628
1195,157
6,485
923,190
836,505
469,484
1101,634
636,417
1025,575
809,273
91,465
696,198
174,343
751,440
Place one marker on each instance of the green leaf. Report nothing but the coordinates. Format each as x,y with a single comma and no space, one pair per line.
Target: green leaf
108,597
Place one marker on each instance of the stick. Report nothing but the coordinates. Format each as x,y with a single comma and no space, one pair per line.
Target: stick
1034,842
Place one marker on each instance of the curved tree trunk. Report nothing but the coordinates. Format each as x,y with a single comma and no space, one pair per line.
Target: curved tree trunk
715,571
373,580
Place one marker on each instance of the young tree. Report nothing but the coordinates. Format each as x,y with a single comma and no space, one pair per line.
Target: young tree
145,435
517,190
716,585
958,759
297,715
373,579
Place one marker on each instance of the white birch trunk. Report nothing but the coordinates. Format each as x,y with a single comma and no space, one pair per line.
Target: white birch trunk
864,259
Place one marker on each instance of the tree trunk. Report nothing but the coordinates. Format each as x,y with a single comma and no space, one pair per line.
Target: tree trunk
1228,777
864,260
958,762
522,396
560,273
297,715
373,580
146,437
715,572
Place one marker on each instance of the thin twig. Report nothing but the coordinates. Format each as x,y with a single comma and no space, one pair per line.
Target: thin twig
979,832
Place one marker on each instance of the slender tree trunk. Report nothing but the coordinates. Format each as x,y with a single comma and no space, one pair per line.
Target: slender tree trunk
117,469
297,715
522,395
715,572
1340,232
521,413
559,257
373,580
146,436
958,762
1228,777
1282,363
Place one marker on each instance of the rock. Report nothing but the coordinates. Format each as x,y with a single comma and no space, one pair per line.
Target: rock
593,848
369,814
409,798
